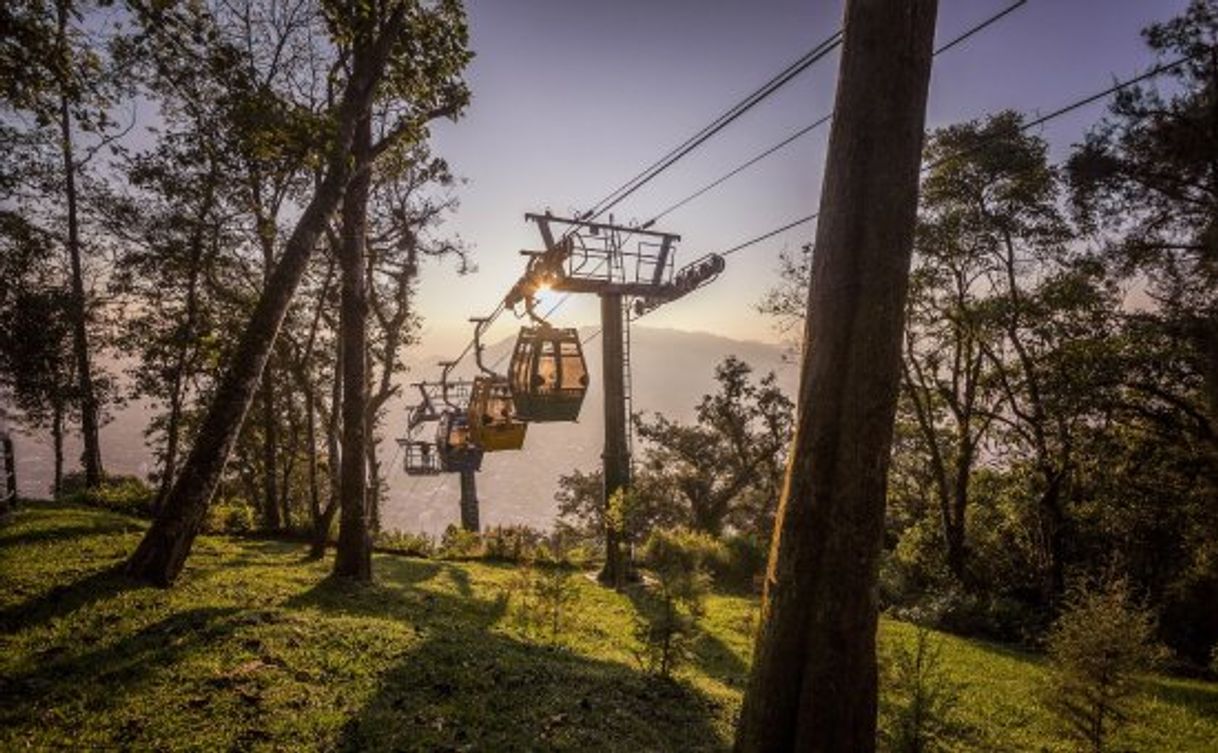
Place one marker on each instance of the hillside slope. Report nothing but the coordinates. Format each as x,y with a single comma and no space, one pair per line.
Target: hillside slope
256,649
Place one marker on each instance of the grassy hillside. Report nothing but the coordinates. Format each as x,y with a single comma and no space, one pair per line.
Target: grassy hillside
256,649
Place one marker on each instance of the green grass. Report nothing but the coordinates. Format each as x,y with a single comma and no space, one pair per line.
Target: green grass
256,649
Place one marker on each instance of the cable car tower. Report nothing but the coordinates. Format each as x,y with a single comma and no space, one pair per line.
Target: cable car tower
632,270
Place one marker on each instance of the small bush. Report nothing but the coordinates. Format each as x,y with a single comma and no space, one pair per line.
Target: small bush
540,595
123,494
669,624
459,544
740,562
404,542
230,515
919,697
1097,647
515,543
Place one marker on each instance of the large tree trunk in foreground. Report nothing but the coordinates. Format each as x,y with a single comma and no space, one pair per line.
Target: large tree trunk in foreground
354,556
813,683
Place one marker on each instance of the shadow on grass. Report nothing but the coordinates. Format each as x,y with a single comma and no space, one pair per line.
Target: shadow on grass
467,687
476,690
59,533
63,600
104,676
399,593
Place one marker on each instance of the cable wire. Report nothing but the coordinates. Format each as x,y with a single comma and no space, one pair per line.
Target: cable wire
1035,123
958,39
618,195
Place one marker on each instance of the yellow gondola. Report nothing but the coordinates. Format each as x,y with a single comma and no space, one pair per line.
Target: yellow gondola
493,425
492,419
548,374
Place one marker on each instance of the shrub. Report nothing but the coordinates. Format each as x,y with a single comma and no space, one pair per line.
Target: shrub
1097,647
459,544
739,562
669,624
404,542
514,543
919,698
123,494
229,515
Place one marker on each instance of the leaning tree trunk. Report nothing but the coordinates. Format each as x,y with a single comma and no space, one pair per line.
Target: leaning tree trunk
91,457
354,552
161,554
813,685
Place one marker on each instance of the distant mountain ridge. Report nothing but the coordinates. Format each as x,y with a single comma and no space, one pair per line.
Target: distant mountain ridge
672,369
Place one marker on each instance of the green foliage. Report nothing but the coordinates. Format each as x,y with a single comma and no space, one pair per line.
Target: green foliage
123,494
405,543
919,713
669,623
540,595
1098,647
230,515
739,562
259,648
457,543
512,543
726,469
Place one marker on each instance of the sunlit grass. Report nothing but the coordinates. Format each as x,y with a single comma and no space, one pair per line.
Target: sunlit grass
255,648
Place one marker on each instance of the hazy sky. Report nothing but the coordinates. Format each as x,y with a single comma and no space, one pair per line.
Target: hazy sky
571,98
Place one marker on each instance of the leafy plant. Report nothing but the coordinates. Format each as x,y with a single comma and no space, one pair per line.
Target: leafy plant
1098,646
668,624
919,713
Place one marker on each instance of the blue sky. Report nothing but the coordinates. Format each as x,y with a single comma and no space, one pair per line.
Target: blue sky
572,98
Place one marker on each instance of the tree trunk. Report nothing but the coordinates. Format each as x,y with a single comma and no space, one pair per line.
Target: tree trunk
186,341
91,456
57,449
321,527
161,554
270,440
371,444
354,556
289,462
813,685
311,450
9,500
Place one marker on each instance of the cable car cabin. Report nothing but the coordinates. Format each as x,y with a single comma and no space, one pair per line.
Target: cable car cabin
420,458
454,446
492,416
548,374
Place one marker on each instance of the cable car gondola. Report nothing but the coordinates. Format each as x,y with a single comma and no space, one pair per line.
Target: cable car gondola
493,422
454,443
548,374
420,458
455,446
